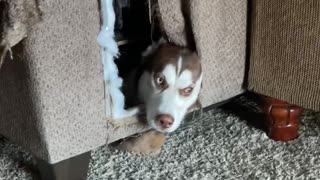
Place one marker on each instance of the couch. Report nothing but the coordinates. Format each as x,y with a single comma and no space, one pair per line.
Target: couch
52,95
52,99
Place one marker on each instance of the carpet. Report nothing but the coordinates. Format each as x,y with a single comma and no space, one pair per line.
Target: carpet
224,143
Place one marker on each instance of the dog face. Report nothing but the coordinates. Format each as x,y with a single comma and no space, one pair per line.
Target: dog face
169,86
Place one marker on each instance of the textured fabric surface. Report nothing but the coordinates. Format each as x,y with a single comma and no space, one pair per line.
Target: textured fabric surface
52,93
219,31
220,145
285,43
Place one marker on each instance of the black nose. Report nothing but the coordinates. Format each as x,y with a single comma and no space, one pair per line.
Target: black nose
165,120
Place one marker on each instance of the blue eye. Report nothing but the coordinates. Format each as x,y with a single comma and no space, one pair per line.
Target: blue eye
160,80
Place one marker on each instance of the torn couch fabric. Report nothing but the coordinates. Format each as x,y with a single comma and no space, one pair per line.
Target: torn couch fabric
16,19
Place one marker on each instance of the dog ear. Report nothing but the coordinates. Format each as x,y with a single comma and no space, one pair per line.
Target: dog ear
153,47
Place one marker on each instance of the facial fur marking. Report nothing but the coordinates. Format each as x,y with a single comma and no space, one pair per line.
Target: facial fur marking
185,79
179,65
170,75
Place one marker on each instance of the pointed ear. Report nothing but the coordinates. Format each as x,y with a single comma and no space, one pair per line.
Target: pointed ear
154,46
162,40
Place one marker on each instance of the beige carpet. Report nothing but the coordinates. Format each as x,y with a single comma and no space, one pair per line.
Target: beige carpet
225,143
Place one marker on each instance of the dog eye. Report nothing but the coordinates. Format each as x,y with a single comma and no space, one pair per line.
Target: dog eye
160,80
186,91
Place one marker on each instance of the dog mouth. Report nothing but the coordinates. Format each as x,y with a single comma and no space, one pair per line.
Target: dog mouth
160,129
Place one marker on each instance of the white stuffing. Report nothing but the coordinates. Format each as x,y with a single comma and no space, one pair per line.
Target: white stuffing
109,51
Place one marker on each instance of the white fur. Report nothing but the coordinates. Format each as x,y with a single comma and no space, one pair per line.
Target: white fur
168,101
179,65
170,74
185,79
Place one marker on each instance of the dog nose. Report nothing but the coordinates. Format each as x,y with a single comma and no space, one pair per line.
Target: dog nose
165,120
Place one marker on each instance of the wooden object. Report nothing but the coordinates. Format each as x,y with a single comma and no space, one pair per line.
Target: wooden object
282,119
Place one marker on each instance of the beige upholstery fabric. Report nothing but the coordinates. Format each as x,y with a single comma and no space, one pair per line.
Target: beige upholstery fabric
219,29
52,99
285,56
52,93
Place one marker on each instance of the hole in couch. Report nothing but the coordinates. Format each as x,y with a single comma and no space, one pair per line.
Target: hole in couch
132,35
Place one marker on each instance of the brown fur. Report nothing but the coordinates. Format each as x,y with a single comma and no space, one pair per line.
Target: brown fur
149,142
168,54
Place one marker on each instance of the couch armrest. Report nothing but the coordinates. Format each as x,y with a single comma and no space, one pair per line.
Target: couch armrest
52,93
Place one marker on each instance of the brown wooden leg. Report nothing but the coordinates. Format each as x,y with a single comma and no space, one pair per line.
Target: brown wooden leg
75,168
282,119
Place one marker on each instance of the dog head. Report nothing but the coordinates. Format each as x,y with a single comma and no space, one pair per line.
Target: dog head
169,85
